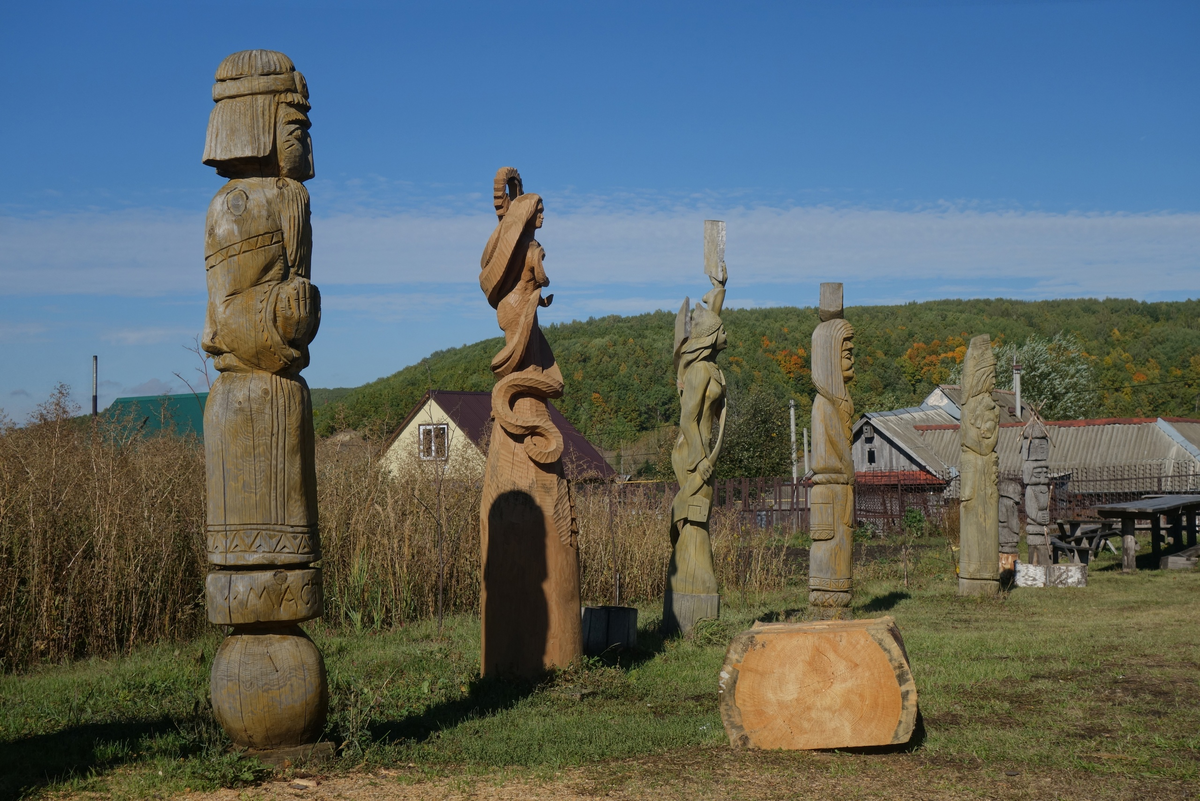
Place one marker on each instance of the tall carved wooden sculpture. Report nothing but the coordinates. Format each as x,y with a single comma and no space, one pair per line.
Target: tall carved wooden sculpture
699,335
979,520
1035,471
268,679
530,592
1010,528
832,498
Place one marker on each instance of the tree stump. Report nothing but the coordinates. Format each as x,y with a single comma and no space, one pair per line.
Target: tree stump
606,627
823,684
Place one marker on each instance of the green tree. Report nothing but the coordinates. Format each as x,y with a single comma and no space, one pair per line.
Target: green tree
757,435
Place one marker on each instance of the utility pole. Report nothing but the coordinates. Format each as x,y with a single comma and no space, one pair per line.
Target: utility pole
95,369
806,451
792,415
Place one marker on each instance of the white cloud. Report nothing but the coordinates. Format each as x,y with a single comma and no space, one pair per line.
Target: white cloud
150,336
959,251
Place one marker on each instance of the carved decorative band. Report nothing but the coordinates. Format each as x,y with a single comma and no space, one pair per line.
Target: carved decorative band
827,600
260,85
247,544
245,246
236,597
831,584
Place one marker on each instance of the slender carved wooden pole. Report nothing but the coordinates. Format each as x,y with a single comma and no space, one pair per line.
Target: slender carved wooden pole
268,679
692,592
832,500
979,540
529,596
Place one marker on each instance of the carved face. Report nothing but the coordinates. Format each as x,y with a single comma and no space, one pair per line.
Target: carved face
847,360
721,341
539,215
293,143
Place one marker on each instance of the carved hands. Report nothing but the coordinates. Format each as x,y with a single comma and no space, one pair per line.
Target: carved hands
297,310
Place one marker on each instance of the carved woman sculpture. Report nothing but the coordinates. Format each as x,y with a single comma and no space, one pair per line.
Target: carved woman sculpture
832,499
530,559
268,679
692,591
979,513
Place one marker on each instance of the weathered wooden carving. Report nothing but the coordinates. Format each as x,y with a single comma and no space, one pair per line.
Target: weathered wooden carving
832,498
1010,516
979,522
530,591
821,684
268,679
1035,455
692,592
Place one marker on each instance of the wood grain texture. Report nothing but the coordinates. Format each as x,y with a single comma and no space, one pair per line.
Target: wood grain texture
529,593
827,684
830,568
979,513
268,679
268,689
692,590
263,596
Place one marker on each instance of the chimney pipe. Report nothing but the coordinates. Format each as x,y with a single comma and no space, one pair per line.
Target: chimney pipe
1017,388
95,367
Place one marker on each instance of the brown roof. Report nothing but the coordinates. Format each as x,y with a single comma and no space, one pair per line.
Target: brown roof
472,412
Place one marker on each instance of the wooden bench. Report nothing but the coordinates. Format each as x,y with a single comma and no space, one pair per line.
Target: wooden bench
1179,511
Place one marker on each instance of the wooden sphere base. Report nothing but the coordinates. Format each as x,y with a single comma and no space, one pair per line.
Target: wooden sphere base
268,687
827,684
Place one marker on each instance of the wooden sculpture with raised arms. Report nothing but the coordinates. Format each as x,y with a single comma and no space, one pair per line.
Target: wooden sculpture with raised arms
529,598
268,679
692,593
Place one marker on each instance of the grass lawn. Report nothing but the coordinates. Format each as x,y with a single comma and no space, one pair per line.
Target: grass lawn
1049,693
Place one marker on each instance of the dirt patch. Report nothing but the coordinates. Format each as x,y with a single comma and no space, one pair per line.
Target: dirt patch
720,774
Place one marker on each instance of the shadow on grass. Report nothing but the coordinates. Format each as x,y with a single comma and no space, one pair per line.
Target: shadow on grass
883,603
77,751
485,697
784,616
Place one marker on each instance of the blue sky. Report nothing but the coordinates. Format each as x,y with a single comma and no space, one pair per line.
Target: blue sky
912,150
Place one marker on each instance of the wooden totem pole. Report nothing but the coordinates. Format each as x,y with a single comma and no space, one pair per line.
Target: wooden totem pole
1010,527
832,499
692,592
268,679
1035,471
979,514
529,597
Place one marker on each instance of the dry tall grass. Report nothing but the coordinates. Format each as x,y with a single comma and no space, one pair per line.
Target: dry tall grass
101,538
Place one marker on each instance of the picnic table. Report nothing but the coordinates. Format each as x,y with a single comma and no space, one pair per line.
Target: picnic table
1082,539
1179,510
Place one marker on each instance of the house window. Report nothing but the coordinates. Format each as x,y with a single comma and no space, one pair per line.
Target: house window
870,456
431,440
868,432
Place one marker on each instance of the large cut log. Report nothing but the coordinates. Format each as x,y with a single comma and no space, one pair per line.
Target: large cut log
823,684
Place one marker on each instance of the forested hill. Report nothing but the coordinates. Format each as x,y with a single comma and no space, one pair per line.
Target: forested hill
1133,359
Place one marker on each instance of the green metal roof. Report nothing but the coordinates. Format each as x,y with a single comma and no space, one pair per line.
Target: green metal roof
151,414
